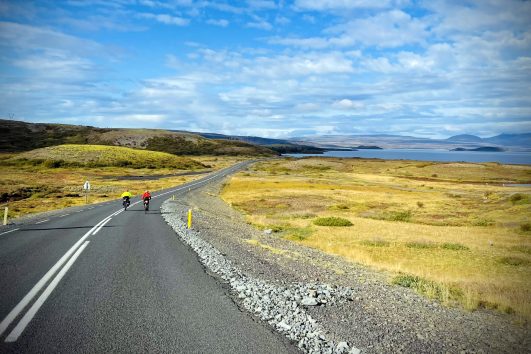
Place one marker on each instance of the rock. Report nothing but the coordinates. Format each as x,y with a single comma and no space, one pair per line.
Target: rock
342,347
309,301
268,232
284,326
354,351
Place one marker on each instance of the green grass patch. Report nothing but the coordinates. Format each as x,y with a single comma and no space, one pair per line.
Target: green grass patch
454,246
339,207
298,233
375,243
525,227
428,288
403,216
421,245
332,221
101,156
519,199
482,222
513,261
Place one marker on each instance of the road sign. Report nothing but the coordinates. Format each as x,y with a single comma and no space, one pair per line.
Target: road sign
86,186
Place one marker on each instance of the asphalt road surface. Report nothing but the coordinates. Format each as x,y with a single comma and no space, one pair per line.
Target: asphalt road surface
102,280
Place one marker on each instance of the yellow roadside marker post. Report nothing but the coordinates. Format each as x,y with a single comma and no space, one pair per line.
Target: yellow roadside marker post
5,215
189,218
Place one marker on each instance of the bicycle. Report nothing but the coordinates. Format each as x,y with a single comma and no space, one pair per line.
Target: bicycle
126,203
146,206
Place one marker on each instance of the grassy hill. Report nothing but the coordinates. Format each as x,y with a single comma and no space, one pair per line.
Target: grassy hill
22,136
72,155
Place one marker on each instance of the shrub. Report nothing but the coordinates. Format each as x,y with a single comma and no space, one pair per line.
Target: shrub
516,197
483,222
454,247
513,261
298,234
332,221
525,227
426,287
420,204
339,207
400,216
421,245
519,198
406,280
53,163
434,175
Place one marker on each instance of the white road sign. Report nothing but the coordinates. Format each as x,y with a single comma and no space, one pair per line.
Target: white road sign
86,186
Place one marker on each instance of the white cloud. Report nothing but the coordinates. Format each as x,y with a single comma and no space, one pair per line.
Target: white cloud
262,4
219,22
393,28
148,118
31,38
166,19
347,104
260,24
307,107
340,4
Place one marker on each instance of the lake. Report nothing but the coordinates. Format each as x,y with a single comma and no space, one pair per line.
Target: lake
520,158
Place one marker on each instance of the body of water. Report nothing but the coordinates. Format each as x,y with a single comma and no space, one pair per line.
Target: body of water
520,158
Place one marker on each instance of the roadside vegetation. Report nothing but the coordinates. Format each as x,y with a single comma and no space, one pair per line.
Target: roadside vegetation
52,178
450,231
72,155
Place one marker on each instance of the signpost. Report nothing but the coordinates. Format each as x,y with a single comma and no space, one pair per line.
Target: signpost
86,188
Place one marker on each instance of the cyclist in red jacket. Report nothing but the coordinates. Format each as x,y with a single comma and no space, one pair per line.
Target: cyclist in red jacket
146,197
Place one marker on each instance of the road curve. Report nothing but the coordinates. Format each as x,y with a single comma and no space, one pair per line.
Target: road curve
105,280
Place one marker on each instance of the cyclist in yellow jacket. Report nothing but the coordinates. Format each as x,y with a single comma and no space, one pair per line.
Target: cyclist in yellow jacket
126,196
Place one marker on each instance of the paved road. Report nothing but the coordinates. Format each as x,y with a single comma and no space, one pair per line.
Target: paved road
103,280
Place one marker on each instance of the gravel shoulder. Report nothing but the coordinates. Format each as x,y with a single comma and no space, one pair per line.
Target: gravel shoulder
379,317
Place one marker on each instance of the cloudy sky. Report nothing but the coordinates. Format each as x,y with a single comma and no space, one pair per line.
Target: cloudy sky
270,67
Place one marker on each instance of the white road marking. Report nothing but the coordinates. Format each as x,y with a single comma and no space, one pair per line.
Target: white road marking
91,208
62,216
31,294
17,331
40,222
102,225
3,233
13,336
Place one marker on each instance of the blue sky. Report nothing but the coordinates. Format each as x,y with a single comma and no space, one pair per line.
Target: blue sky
270,68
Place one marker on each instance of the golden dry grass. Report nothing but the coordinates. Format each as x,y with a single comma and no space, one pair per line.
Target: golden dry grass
47,189
454,226
103,155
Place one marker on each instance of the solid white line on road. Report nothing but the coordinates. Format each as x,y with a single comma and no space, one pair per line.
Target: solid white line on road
102,225
3,233
62,216
31,294
42,282
40,222
17,331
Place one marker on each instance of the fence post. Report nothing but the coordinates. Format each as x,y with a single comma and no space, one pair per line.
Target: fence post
5,215
189,218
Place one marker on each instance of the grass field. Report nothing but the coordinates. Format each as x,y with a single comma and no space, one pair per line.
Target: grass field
72,155
52,178
451,231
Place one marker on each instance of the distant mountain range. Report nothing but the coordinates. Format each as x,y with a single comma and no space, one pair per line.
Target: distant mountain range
512,142
22,136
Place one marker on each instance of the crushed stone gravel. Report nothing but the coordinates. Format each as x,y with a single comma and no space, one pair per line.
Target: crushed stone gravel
324,303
